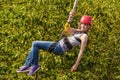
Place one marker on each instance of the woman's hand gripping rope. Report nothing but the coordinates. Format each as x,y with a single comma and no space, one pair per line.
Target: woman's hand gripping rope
67,27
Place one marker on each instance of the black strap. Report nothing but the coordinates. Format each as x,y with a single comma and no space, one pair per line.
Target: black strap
77,39
51,48
79,32
66,41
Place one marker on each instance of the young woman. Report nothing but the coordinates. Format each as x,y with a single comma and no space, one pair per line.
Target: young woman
78,37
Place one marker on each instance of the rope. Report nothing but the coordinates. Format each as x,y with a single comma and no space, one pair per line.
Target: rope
70,18
73,9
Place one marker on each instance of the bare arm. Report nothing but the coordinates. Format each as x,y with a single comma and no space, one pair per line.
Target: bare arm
72,30
83,45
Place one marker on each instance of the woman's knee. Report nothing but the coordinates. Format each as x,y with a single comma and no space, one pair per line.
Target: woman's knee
34,43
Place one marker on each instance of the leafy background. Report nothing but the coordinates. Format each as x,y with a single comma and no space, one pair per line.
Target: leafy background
23,21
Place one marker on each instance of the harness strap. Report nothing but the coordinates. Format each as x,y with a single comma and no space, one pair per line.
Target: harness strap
79,32
68,44
52,47
66,41
77,39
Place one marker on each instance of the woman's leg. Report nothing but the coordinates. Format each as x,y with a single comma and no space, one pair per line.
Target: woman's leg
32,58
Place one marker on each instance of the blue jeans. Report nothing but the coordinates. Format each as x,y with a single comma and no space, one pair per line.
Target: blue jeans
32,58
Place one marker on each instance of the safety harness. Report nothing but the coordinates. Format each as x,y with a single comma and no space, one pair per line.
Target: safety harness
66,42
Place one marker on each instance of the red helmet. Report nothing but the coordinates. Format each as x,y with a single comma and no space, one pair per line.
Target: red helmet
86,19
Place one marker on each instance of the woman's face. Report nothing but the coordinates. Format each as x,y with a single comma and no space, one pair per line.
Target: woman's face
83,27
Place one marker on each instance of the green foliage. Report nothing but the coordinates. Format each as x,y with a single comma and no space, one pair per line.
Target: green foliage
23,21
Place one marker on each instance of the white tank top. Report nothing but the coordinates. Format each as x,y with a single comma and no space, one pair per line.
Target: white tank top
72,41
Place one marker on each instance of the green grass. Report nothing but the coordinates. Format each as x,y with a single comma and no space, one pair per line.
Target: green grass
23,21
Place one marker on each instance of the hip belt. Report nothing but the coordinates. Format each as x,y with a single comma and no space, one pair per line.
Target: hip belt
52,47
